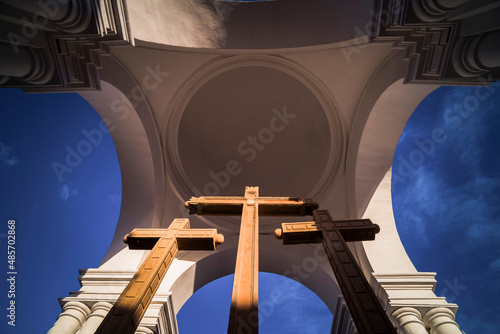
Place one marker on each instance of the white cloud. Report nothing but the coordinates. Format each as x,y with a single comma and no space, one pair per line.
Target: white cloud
432,207
6,157
462,197
419,207
116,198
495,265
66,191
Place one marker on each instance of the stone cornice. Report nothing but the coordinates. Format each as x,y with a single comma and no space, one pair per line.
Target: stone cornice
69,40
432,34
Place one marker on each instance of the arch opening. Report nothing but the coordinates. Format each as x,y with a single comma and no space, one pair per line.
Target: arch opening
59,165
285,306
445,197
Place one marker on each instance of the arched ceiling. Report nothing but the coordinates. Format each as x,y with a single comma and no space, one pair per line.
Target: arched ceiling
248,25
271,127
267,128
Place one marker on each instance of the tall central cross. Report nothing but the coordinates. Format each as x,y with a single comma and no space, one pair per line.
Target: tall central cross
243,317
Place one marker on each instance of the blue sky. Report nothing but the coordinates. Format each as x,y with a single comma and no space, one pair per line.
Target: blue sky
447,169
285,306
61,225
446,195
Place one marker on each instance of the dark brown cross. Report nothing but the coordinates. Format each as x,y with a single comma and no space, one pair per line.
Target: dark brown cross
366,311
126,314
243,317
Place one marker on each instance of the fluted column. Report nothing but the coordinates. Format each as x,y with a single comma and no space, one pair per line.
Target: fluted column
441,321
409,321
98,312
73,317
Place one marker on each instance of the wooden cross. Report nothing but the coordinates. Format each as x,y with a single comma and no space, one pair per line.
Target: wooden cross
366,311
126,314
243,317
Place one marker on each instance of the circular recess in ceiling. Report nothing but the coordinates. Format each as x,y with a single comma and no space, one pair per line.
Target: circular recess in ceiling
255,126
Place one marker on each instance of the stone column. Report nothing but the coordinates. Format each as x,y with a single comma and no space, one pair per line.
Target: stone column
23,63
73,317
441,320
98,312
409,321
476,55
488,52
431,11
71,16
143,330
14,62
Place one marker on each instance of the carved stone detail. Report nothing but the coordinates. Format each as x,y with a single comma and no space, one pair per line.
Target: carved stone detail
432,32
65,41
409,320
441,321
74,315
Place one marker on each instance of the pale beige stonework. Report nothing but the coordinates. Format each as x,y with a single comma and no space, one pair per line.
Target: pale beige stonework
300,98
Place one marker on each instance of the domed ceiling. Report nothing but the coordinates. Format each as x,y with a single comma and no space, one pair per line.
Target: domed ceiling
257,126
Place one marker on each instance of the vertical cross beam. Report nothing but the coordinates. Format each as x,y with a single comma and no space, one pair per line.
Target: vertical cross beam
366,311
126,314
245,297
244,312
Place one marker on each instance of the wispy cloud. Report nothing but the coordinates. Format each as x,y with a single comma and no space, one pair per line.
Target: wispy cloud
283,298
447,210
6,158
455,191
66,191
477,325
432,207
115,198
418,207
495,265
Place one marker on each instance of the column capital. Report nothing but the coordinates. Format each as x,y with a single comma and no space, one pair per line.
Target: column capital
81,311
441,320
408,296
477,55
100,306
98,311
409,320
435,10
72,318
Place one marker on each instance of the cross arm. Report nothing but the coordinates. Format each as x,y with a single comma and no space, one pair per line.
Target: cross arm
187,239
215,205
366,310
286,206
311,232
268,206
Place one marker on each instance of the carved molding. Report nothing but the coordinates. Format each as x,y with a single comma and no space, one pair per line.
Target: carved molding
69,38
98,286
342,320
432,33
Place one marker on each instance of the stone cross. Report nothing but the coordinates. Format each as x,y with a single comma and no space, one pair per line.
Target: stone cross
244,311
366,311
126,314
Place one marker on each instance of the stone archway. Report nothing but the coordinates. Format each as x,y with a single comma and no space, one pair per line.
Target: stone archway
128,126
